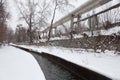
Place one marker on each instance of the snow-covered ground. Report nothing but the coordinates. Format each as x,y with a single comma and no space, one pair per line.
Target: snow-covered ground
114,30
16,64
106,63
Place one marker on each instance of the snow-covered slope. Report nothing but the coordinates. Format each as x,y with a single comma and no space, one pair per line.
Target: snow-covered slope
16,64
106,63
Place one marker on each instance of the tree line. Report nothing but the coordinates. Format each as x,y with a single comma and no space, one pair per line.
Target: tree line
3,25
38,14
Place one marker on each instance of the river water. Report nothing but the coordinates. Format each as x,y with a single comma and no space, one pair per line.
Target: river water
53,71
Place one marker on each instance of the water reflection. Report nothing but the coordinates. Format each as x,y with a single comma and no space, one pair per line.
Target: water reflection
53,71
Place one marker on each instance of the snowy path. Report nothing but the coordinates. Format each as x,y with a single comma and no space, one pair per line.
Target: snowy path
16,64
106,63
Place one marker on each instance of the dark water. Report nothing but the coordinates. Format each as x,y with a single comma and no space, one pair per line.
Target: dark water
53,71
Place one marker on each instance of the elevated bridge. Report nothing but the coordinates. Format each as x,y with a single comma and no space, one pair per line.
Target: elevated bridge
90,5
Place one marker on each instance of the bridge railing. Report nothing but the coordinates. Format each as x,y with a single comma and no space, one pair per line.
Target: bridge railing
104,19
93,22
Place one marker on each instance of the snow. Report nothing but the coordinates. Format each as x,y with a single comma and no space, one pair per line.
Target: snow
114,30
111,31
56,38
16,64
106,63
60,38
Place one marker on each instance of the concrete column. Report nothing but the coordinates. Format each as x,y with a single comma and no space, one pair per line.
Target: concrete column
55,31
39,35
46,34
96,21
90,25
43,34
52,32
78,22
71,23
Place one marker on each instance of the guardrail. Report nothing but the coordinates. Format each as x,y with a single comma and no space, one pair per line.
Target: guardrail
91,4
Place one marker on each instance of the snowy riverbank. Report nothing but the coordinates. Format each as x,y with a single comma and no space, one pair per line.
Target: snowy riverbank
16,64
104,63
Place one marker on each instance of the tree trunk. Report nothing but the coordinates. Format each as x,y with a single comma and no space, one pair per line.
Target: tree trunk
49,34
30,26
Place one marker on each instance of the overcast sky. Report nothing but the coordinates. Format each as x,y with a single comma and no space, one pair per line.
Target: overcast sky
15,14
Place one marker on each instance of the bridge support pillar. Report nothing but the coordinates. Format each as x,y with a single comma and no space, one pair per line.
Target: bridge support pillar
55,31
78,23
72,22
96,21
43,34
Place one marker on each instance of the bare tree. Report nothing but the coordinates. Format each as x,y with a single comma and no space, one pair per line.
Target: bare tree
58,5
3,18
33,14
21,34
10,35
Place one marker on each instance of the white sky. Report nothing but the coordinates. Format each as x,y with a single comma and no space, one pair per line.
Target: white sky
15,14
